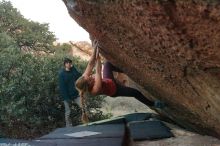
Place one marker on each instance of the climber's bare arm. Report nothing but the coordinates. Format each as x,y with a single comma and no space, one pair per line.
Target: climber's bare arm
98,78
92,61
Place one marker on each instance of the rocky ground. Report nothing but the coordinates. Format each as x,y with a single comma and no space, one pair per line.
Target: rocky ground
182,138
124,105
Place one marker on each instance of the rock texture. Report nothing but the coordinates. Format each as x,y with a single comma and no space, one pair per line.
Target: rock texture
182,138
169,47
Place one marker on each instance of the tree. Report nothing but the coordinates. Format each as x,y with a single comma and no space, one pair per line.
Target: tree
6,41
28,35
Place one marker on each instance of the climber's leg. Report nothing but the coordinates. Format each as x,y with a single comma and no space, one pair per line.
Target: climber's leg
108,70
131,92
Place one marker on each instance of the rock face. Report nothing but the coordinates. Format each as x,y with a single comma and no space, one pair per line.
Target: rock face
170,47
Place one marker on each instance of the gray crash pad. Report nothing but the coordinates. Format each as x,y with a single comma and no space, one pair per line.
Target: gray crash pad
137,117
18,142
149,130
92,131
86,142
116,120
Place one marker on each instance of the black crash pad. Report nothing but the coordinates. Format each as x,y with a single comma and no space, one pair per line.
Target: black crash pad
149,130
137,117
86,142
104,131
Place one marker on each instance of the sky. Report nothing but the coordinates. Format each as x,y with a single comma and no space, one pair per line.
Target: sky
55,13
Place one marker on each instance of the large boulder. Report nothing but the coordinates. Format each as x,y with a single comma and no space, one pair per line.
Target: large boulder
169,47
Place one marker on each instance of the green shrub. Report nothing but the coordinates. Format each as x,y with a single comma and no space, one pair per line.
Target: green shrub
29,64
29,98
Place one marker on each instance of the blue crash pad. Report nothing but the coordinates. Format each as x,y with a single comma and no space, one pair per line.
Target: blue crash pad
86,142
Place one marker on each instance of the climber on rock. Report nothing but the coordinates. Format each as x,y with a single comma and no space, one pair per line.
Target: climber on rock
95,84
